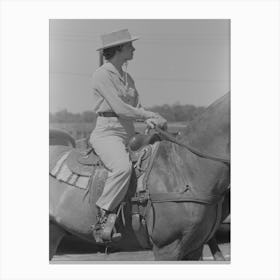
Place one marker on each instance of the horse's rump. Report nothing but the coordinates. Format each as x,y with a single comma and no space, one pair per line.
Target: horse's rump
74,189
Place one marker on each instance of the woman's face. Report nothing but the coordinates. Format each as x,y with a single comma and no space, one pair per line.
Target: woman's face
127,51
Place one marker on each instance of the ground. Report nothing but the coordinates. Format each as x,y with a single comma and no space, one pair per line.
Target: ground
75,250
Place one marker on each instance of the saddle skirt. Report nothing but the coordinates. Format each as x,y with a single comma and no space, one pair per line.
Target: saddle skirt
77,168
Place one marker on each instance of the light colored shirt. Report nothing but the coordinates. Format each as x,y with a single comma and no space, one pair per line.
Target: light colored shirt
114,93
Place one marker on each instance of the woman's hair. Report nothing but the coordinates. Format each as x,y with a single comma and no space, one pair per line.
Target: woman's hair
110,52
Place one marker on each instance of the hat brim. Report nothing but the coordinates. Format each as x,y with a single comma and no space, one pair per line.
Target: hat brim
118,43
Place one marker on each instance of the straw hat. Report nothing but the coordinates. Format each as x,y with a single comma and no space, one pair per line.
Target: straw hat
116,38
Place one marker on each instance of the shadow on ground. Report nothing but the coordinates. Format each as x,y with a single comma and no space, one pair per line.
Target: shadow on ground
74,245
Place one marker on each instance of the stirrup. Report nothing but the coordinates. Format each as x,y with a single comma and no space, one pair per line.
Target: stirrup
109,233
104,231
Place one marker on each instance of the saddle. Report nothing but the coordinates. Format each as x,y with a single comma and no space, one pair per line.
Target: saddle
76,167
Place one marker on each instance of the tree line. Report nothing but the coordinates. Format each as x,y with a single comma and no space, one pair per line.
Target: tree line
173,113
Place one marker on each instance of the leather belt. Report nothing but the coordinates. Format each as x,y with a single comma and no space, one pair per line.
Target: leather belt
107,114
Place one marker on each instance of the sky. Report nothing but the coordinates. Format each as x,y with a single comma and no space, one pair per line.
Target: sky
176,61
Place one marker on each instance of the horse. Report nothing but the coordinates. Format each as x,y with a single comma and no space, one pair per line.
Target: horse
60,137
188,192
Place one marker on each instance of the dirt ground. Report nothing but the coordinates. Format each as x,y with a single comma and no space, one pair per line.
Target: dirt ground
73,250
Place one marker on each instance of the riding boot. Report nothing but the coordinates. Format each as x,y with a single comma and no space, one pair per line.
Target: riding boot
99,225
103,230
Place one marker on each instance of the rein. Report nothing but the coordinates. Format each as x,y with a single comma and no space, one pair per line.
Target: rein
170,138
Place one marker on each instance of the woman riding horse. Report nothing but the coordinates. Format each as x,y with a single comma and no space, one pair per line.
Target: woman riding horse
186,191
117,106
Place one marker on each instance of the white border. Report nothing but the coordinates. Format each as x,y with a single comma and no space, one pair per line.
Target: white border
255,137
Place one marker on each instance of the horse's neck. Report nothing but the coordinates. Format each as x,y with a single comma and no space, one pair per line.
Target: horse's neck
175,168
168,170
210,132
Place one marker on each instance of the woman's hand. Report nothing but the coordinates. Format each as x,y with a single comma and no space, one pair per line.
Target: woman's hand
157,121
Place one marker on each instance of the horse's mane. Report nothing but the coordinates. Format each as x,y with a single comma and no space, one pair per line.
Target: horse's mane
210,131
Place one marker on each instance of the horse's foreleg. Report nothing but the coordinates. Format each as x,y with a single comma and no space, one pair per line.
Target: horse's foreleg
55,236
170,252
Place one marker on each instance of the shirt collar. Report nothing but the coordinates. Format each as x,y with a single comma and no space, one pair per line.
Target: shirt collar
110,67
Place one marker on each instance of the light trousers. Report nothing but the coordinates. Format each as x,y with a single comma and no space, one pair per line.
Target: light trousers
109,140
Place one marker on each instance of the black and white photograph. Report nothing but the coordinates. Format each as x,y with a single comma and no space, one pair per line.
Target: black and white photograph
139,140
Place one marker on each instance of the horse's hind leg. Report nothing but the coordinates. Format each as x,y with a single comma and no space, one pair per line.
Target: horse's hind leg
55,236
